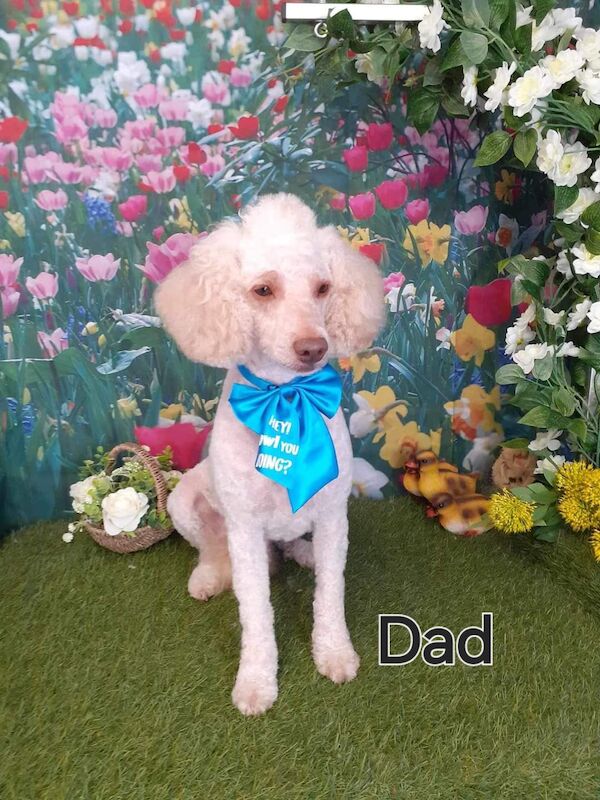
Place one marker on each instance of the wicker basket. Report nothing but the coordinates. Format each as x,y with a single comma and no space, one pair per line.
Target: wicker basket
144,537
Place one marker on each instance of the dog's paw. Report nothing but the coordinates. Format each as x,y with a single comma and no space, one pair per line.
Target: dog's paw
208,580
253,694
339,664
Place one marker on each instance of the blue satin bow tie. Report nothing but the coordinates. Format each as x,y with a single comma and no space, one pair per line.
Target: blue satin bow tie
295,447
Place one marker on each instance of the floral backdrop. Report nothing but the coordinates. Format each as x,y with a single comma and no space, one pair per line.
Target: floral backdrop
128,128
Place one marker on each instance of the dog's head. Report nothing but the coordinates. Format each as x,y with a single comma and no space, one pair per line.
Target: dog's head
274,284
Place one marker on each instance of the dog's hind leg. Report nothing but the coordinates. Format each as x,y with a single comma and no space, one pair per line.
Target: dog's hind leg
198,521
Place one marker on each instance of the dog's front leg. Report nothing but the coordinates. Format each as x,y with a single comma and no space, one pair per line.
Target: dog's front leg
333,652
255,688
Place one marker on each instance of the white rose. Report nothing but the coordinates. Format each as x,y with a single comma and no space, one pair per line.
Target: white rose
585,198
594,318
560,161
588,44
123,510
589,81
469,86
431,26
578,315
585,263
525,92
527,357
80,493
496,93
562,67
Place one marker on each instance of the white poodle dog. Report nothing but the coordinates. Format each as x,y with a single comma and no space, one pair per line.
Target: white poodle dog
277,296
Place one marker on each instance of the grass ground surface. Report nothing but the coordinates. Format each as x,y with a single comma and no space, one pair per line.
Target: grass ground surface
115,685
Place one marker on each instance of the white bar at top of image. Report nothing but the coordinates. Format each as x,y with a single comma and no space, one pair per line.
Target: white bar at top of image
361,12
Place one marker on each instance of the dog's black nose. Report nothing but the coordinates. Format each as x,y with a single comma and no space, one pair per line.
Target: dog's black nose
309,351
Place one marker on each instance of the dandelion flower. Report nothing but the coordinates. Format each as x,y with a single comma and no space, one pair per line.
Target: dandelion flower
576,512
572,477
509,514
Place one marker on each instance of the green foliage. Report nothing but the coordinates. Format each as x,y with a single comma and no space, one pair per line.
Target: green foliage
493,148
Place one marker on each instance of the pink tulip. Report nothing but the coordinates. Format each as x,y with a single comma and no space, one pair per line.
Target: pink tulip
338,202
215,89
392,194
173,110
52,344
149,95
435,174
395,280
98,268
9,270
138,129
51,201
116,159
380,137
147,163
9,299
66,173
472,221
362,205
8,154
105,117
417,210
356,158
36,168
161,259
240,78
212,165
134,207
161,182
71,130
44,286
171,137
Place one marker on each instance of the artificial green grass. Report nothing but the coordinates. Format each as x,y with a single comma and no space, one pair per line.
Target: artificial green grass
115,685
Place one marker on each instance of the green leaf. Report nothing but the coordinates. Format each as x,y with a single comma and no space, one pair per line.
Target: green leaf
592,241
546,534
454,106
340,24
525,145
455,56
522,492
121,361
508,374
432,75
577,427
591,216
563,401
422,108
515,444
476,13
541,8
302,38
498,12
564,196
544,417
522,39
543,367
493,148
475,46
542,494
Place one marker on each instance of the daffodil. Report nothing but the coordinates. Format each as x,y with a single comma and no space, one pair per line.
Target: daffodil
431,242
173,411
472,340
16,222
404,441
504,188
378,410
360,364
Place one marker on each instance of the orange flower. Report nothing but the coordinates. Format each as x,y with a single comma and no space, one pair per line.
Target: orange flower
504,188
472,340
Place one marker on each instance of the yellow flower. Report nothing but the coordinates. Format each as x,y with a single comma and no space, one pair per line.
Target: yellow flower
432,242
16,221
384,398
504,187
577,514
360,364
472,340
180,214
595,542
509,514
91,329
361,236
572,478
4,244
101,340
403,441
174,411
128,407
472,414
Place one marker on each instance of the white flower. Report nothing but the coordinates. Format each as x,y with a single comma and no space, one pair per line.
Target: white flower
200,113
589,81
546,441
175,52
131,73
67,537
497,94
401,300
526,91
588,44
186,16
585,198
238,43
431,26
363,421
520,334
553,318
13,41
442,335
568,349
481,454
80,493
562,67
527,357
578,315
553,25
549,464
366,480
560,161
594,318
123,510
585,263
364,64
469,86
563,265
523,15
87,27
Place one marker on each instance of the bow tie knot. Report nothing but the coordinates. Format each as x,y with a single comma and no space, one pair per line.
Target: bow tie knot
294,447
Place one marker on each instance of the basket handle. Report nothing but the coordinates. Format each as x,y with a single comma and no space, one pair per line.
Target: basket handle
142,455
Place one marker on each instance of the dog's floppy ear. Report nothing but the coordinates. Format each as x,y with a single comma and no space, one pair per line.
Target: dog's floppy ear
201,302
356,306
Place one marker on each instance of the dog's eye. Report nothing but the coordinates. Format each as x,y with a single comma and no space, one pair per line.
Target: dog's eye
323,289
263,291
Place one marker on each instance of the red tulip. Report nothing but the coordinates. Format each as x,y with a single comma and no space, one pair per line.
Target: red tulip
380,137
225,66
184,439
490,304
374,251
356,158
3,201
12,128
246,128
417,210
195,154
392,194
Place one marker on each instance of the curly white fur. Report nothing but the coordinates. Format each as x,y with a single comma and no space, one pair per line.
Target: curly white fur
224,507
